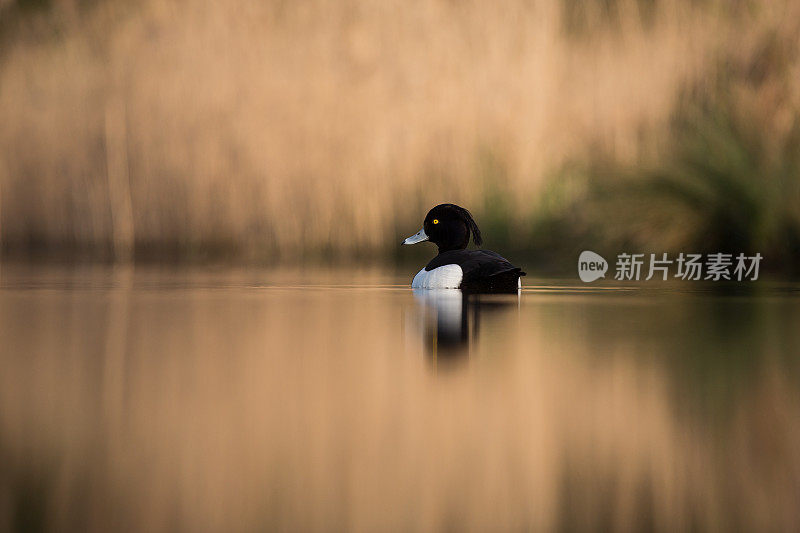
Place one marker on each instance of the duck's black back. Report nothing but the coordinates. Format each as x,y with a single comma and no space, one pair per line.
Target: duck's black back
484,270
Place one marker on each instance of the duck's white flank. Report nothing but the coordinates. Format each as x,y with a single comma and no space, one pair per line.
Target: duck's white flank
443,277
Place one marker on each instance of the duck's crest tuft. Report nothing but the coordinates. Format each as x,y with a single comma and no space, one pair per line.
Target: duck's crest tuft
471,224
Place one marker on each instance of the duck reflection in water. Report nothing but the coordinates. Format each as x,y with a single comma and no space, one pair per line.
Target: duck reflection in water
451,321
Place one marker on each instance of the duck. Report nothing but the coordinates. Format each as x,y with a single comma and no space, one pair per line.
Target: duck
450,228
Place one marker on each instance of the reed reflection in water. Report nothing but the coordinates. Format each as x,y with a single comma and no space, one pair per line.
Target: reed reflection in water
266,400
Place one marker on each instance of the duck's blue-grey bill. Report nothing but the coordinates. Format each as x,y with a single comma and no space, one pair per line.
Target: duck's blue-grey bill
420,236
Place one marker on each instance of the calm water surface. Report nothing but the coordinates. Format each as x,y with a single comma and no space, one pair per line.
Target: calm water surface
240,400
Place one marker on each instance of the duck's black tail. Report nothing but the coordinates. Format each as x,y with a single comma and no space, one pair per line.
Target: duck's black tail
503,282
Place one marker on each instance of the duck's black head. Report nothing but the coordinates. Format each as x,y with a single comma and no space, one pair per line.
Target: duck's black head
448,226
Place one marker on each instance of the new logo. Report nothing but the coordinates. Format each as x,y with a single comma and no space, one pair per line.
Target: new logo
591,266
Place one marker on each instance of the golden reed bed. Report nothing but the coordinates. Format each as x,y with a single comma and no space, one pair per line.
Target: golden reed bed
273,129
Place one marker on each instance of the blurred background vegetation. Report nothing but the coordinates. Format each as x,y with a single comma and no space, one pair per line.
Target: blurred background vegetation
275,131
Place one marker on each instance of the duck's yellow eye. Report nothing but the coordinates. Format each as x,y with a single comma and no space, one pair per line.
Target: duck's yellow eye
435,220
